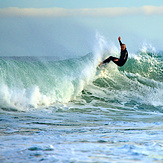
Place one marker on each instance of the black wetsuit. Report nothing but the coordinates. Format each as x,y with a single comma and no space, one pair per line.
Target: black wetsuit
121,61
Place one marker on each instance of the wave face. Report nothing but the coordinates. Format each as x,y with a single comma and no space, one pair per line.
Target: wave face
33,82
27,82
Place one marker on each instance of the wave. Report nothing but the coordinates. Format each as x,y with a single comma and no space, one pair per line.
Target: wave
33,82
27,82
137,84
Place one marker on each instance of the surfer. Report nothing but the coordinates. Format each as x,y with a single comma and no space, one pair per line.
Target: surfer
123,57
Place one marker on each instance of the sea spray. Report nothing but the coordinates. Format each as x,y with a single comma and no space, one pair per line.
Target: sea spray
103,49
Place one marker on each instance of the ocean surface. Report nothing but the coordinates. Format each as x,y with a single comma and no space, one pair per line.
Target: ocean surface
70,110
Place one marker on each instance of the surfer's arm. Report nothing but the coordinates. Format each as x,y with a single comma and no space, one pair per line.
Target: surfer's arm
126,55
119,38
120,42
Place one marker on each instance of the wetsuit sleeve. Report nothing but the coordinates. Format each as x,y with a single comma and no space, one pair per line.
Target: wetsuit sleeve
120,42
126,55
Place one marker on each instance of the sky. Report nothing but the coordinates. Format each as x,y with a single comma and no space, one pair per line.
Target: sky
69,27
73,4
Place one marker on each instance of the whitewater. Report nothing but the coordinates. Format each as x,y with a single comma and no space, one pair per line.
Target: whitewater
71,110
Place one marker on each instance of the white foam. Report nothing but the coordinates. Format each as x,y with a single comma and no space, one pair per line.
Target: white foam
147,48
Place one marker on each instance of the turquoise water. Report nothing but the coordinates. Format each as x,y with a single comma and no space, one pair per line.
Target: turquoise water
72,111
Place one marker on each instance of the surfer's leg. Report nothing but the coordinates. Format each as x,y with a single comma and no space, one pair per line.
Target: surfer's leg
115,60
109,59
118,62
106,60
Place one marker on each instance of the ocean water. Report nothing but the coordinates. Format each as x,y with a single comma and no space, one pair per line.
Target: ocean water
71,111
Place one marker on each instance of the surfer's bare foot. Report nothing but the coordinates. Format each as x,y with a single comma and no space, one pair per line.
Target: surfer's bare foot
100,64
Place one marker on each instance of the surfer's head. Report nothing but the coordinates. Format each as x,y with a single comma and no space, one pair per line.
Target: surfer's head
123,47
